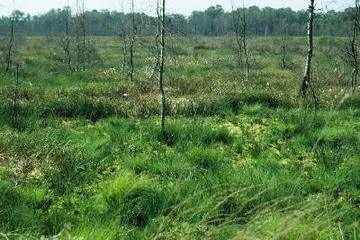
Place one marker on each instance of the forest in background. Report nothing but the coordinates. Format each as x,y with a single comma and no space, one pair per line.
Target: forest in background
168,134
214,21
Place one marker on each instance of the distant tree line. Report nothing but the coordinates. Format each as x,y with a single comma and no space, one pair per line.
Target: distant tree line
214,21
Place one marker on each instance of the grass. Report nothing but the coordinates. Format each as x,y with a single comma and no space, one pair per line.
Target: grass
238,160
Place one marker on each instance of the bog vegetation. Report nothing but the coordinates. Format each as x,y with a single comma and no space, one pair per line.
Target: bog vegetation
238,153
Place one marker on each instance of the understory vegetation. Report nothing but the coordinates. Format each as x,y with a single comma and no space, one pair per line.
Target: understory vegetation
84,158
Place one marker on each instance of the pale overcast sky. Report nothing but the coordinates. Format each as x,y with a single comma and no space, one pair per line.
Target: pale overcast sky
173,6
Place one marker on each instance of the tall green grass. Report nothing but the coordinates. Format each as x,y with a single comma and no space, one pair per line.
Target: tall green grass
237,160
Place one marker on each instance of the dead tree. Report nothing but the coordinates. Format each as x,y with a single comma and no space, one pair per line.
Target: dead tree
123,35
284,41
354,49
15,113
306,82
161,54
244,41
128,35
9,54
237,30
65,42
240,29
85,54
83,26
81,38
132,41
283,52
157,42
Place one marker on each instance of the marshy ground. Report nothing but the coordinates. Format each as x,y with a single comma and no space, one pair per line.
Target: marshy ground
238,160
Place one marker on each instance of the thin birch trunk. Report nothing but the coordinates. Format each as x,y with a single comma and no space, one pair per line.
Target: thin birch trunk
306,82
161,68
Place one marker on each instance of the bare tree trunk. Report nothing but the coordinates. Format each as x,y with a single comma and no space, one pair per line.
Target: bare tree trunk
83,25
306,82
15,115
284,43
66,44
240,26
124,39
123,36
283,52
77,37
162,66
124,52
132,41
237,30
354,46
81,43
157,42
244,40
284,40
9,53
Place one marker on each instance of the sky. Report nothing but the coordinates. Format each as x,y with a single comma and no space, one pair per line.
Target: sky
173,6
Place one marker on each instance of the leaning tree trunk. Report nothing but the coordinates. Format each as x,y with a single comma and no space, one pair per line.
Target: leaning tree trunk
161,68
306,82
